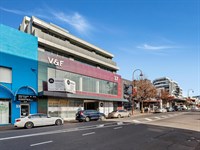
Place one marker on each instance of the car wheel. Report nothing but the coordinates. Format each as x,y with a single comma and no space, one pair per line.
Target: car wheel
87,119
58,122
119,116
29,125
102,118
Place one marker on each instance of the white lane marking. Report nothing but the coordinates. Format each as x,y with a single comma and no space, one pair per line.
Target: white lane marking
157,117
28,135
106,125
164,116
136,121
59,131
117,128
88,133
148,119
41,143
119,123
101,125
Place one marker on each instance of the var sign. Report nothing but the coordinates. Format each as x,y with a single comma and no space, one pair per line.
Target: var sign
55,61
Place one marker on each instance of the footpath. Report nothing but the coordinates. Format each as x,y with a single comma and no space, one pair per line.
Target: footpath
11,127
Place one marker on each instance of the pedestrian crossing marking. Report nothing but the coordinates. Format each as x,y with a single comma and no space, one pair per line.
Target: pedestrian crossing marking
148,119
164,116
136,121
157,117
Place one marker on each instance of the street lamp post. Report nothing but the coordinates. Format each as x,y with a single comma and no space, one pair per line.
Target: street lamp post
134,86
188,94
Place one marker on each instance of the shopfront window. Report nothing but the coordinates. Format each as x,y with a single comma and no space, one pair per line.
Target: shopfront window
63,108
84,83
4,112
107,87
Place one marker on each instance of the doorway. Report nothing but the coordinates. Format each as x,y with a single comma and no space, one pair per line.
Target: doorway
91,105
25,109
5,112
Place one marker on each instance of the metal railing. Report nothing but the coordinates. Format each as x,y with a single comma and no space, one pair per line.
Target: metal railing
67,44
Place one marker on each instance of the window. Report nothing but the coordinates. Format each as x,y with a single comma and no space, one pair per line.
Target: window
43,116
85,83
5,75
35,116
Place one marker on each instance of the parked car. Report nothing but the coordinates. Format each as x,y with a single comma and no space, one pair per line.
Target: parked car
160,110
170,109
194,108
119,114
177,108
34,120
183,107
87,115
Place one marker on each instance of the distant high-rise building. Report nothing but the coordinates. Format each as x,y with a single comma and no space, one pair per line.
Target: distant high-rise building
169,85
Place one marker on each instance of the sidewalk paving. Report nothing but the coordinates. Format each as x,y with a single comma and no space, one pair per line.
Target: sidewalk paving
11,127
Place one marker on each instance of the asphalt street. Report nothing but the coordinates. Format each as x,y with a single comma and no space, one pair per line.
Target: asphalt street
166,131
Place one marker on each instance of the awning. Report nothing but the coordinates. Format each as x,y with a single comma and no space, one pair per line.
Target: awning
10,93
152,101
78,96
25,93
179,100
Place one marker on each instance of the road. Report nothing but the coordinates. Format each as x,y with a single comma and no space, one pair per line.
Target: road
166,131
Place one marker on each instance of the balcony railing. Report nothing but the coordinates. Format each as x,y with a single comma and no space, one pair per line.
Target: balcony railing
72,47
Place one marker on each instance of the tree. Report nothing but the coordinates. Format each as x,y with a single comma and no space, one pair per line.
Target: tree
145,90
165,96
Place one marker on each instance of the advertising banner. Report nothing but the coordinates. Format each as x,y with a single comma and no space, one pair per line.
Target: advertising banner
62,85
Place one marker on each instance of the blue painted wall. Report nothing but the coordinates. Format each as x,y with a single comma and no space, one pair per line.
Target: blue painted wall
18,51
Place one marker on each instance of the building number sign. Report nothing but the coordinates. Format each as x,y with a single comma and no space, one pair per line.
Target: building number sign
116,78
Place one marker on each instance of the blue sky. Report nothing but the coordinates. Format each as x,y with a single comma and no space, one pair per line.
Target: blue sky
160,37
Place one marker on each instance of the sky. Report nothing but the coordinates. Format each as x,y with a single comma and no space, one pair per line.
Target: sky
159,37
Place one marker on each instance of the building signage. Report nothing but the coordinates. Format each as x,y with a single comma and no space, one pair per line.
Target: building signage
22,97
116,78
70,86
55,61
63,85
55,84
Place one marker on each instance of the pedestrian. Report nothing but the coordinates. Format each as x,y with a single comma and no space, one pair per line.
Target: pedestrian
79,108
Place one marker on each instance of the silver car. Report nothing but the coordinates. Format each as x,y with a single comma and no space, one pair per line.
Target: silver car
119,114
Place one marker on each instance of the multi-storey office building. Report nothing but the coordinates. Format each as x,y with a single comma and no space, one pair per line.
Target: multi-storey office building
169,85
72,73
18,74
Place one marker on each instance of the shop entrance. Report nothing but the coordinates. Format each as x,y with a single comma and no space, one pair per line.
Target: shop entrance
91,105
4,112
25,109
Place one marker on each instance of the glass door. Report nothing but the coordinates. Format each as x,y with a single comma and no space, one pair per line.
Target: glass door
25,109
4,112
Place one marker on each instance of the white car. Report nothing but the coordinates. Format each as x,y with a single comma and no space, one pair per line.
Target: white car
194,108
34,120
160,110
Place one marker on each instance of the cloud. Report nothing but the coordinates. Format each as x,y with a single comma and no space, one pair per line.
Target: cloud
17,12
153,48
75,19
37,12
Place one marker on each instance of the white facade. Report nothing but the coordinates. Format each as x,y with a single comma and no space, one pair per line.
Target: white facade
169,85
54,38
